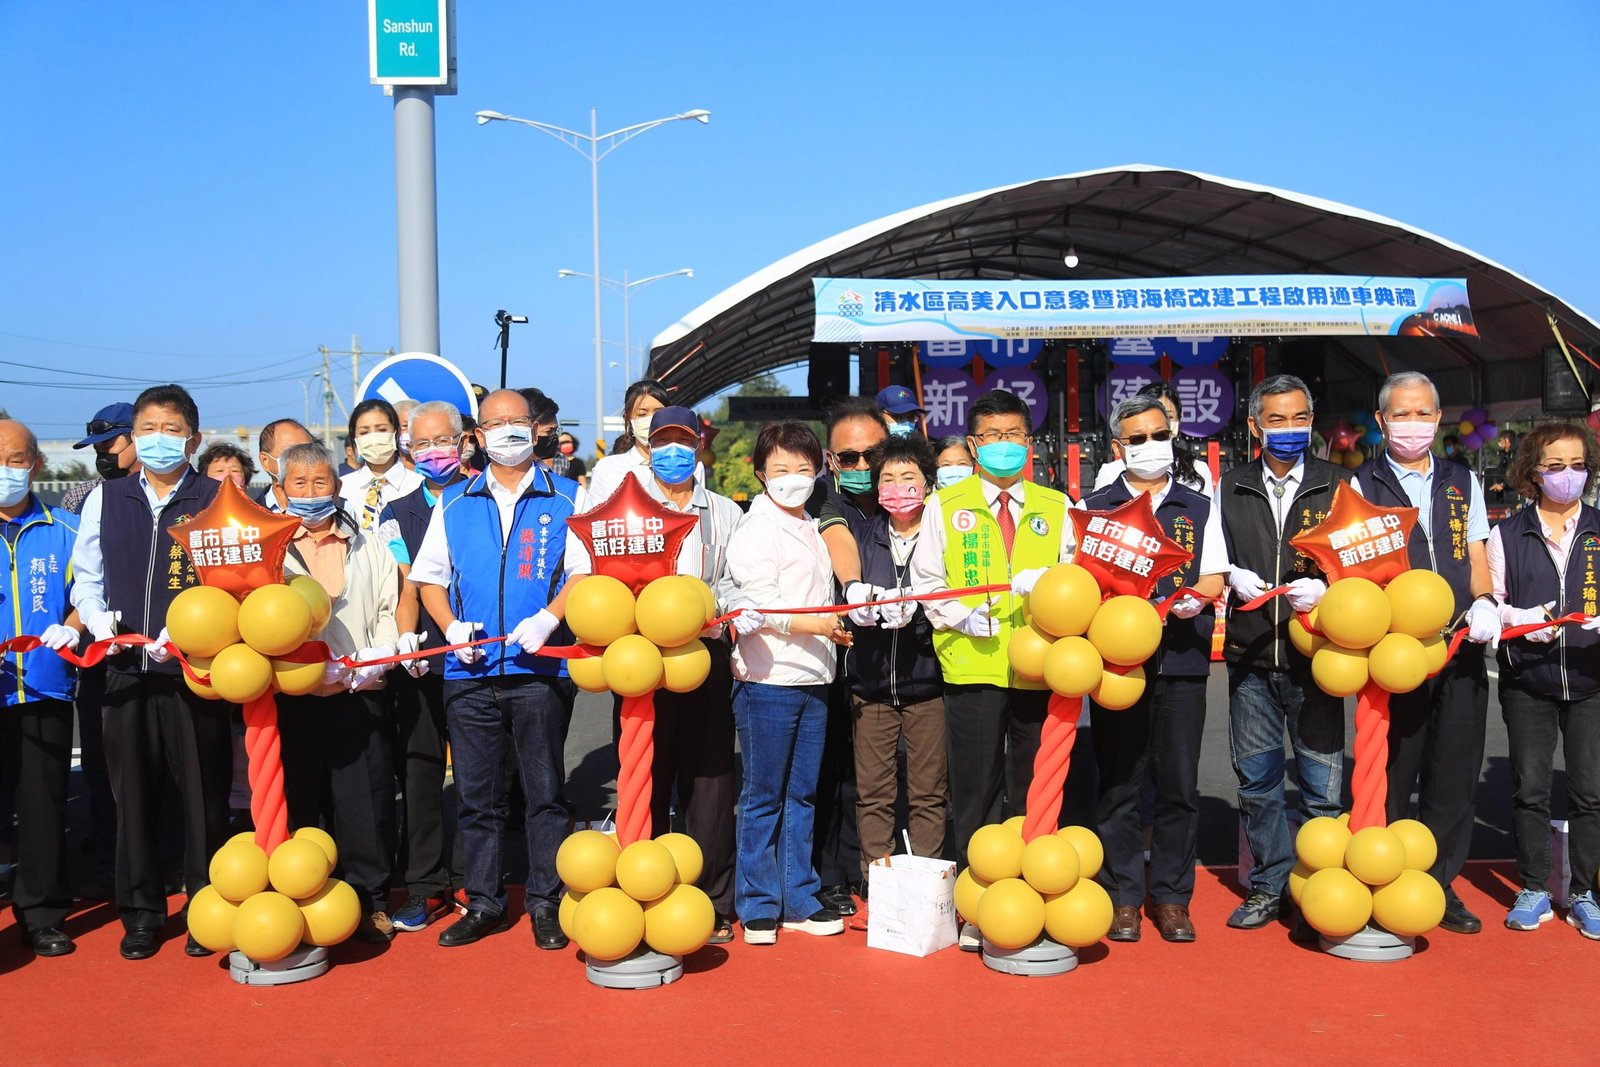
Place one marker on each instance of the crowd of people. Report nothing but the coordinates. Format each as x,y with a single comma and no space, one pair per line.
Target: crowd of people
870,713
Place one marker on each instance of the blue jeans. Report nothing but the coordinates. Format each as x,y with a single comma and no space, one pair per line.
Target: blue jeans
781,732
531,713
1261,705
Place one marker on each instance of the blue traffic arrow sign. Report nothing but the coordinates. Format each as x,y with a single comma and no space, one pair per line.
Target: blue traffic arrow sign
419,376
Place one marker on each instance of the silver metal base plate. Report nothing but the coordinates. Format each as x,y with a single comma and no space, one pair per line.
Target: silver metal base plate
1042,958
1371,945
308,961
644,969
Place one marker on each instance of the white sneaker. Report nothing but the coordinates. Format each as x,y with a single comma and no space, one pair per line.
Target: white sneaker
971,938
761,932
822,922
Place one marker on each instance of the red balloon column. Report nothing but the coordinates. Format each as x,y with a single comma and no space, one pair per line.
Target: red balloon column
269,810
636,756
1050,766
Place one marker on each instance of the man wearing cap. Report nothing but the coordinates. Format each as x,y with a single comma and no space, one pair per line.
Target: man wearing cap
114,454
903,414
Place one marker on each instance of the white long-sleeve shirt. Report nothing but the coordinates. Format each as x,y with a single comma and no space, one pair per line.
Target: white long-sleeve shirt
779,561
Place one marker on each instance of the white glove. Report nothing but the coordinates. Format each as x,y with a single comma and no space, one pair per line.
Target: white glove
895,616
459,633
411,643
158,652
102,625
56,637
532,633
979,623
1524,616
864,616
1592,624
712,632
1247,584
1022,582
1187,607
333,673
861,592
1483,623
1305,593
370,677
748,621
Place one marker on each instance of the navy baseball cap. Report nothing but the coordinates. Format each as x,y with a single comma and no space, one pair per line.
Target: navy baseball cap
674,416
109,422
898,400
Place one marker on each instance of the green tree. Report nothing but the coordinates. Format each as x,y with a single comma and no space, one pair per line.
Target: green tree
736,441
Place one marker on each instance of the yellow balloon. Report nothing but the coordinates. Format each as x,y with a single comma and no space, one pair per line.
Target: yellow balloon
1335,902
588,674
632,666
1016,822
331,914
609,923
1080,916
298,868
203,620
316,598
239,674
687,858
1091,853
201,665
567,913
1126,630
1050,864
995,852
646,871
1376,855
243,835
1353,613
600,609
1297,880
1072,667
679,922
1398,663
1339,671
685,668
239,870
1353,458
1305,642
1321,843
1119,692
1011,913
297,679
671,611
1465,427
1421,849
587,860
1436,649
1064,600
969,891
211,919
274,619
1025,651
709,597
1420,603
324,841
1412,904
268,926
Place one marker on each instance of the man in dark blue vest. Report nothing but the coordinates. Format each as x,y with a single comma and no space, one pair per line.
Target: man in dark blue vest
1159,736
128,569
1436,731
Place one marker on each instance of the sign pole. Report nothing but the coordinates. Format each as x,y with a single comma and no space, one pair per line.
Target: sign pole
416,229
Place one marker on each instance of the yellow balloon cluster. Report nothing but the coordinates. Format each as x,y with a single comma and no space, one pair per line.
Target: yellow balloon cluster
240,645
266,906
1072,638
1392,636
1015,891
1380,874
652,643
618,897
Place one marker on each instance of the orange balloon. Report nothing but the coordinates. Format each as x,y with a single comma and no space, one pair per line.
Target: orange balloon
234,543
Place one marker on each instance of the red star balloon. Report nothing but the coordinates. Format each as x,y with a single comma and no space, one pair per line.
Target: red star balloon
1358,539
1125,548
236,544
632,536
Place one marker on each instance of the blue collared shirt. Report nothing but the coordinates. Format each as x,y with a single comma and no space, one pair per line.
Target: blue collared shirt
1418,487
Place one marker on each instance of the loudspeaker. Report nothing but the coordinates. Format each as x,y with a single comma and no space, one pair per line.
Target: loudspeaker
1565,394
828,376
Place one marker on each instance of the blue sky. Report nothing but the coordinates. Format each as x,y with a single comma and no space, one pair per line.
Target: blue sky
207,190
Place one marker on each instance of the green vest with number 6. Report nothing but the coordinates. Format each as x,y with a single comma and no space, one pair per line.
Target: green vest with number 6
975,554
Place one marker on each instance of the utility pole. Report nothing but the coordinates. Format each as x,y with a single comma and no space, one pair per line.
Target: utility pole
355,368
327,401
355,352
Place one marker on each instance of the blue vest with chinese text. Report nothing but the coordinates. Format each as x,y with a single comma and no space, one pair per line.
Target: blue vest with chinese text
36,553
1567,668
1444,550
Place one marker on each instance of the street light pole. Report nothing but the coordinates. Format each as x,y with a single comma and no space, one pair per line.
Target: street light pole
626,288
599,357
504,321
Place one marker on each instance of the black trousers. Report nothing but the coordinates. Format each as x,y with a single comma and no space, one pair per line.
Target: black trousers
36,750
420,739
337,774
155,727
1533,726
1159,737
694,753
836,843
992,736
92,759
1436,737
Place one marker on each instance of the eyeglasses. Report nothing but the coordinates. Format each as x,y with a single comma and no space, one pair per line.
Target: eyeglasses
522,423
989,437
435,442
99,426
852,458
1555,468
1140,438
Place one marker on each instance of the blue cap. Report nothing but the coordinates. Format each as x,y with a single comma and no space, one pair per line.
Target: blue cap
109,422
674,416
898,400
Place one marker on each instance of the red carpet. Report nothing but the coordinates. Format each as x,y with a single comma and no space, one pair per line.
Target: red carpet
1231,997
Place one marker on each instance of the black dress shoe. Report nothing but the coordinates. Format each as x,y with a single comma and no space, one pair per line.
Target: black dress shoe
49,942
1259,909
474,926
191,947
1457,919
547,929
837,897
140,944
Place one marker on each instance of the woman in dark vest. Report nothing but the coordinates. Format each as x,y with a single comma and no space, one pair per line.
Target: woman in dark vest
1543,562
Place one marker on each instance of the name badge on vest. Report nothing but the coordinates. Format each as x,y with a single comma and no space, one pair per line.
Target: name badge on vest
1039,526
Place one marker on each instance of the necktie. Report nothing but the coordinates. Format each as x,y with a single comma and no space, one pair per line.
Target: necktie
369,514
1008,525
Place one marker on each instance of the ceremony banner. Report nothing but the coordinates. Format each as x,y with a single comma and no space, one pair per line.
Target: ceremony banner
907,309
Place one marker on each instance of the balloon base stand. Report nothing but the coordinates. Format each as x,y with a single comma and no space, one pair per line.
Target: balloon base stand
644,969
309,961
1371,945
1042,958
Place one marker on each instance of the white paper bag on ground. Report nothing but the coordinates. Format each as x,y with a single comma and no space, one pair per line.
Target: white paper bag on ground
911,904
1560,863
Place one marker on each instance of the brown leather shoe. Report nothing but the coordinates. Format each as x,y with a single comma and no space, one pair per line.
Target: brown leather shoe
1124,923
1172,921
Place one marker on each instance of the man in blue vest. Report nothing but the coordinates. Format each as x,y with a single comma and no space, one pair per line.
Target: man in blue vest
1436,731
493,562
128,569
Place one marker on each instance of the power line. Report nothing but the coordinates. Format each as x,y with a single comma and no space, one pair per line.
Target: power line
226,378
143,352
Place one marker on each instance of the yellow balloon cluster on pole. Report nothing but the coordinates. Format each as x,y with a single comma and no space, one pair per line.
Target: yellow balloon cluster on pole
1079,646
1379,874
1014,892
240,649
645,644
1389,636
617,898
265,906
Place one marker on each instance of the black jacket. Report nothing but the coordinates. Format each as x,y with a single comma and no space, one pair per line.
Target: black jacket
896,667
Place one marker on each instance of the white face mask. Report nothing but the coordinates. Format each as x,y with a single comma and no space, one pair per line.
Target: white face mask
509,446
1151,459
790,490
640,428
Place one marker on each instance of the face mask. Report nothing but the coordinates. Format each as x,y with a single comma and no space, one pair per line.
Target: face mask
790,490
1003,459
438,464
509,446
855,481
901,429
311,510
1410,440
568,448
545,447
1286,444
901,499
673,464
109,466
14,485
405,442
1149,460
1560,487
161,453
945,477
469,451
640,428
375,447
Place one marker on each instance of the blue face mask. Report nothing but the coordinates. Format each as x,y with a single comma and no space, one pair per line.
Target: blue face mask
901,429
855,481
945,477
673,464
161,453
1003,459
1287,444
311,510
15,482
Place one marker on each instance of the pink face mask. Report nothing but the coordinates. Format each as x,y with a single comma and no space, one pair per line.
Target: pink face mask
1410,440
901,498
